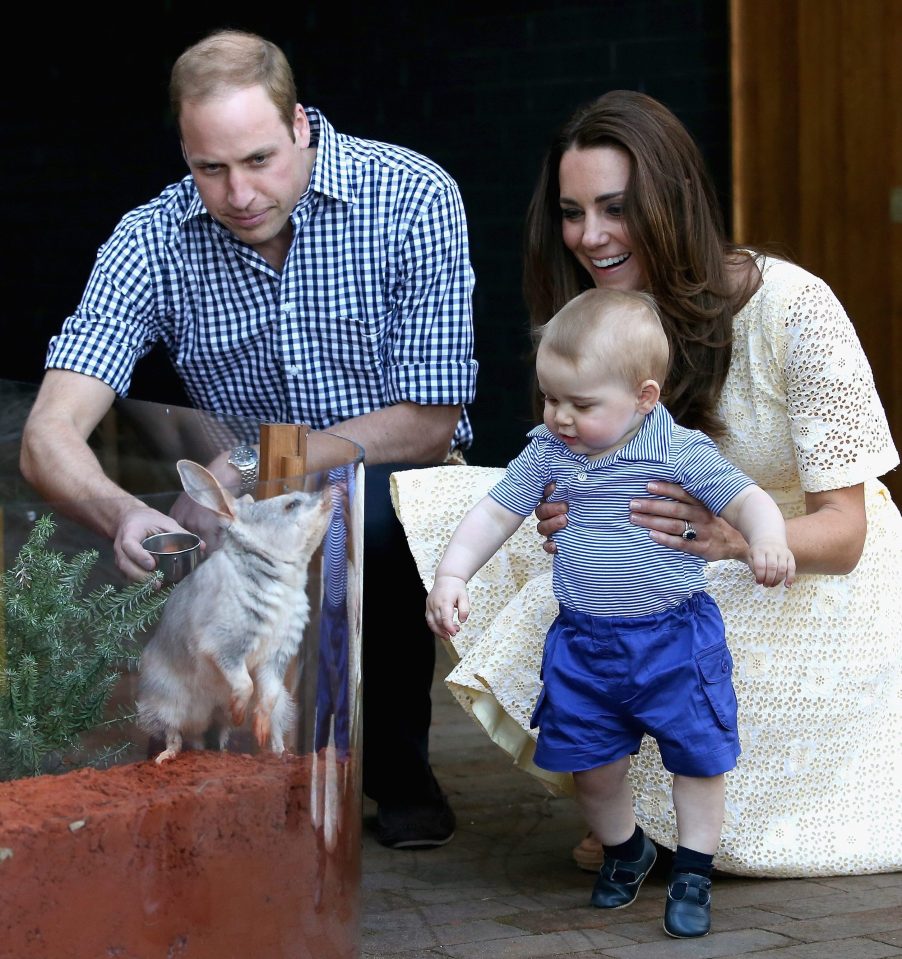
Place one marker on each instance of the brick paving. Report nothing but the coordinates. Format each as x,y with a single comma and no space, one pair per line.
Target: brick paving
506,888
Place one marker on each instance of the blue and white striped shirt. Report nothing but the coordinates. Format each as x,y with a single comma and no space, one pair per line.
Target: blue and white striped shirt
604,565
373,306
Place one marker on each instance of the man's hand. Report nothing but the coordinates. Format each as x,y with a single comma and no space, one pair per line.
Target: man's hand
200,520
137,524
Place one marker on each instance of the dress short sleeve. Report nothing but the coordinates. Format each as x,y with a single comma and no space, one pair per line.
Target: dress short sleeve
800,399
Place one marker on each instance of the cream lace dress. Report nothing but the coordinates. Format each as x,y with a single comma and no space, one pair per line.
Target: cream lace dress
818,668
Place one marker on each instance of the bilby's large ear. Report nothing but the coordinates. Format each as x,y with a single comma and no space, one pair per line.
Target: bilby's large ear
203,487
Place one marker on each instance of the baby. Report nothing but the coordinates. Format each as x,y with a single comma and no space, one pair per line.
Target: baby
638,646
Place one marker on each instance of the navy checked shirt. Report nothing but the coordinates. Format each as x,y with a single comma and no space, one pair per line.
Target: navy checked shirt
604,564
373,306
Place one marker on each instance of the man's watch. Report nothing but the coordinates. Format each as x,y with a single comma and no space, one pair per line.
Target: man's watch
246,461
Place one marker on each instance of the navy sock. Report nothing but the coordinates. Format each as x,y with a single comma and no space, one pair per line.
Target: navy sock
688,860
630,850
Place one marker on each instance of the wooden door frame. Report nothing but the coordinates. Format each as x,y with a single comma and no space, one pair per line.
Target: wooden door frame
816,151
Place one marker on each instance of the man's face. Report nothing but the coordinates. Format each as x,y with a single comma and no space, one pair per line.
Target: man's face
249,171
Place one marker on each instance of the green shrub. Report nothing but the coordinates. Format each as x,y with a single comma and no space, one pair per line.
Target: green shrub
62,654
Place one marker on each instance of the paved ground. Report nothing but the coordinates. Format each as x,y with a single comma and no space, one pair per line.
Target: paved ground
506,888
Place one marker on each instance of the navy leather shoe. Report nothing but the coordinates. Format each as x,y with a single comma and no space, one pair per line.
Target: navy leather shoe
618,882
687,913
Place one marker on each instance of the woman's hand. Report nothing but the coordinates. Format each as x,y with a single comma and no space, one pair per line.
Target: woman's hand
666,519
552,518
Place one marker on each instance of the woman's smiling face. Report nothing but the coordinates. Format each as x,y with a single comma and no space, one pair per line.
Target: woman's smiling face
592,185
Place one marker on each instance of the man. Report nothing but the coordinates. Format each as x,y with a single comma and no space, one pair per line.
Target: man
296,275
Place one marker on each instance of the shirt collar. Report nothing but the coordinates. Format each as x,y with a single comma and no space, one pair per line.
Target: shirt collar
195,204
332,168
331,173
650,444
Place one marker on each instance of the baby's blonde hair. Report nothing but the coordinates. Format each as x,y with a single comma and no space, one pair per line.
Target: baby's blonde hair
618,330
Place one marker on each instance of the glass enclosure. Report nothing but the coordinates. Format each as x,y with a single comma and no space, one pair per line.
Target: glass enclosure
179,764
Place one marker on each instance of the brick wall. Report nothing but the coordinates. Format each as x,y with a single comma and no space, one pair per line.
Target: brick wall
478,87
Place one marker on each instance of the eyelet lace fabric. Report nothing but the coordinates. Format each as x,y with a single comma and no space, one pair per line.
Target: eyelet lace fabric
817,790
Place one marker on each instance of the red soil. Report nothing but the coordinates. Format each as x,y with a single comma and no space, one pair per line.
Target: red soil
208,856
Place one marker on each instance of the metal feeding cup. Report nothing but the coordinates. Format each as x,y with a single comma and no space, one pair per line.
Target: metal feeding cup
176,554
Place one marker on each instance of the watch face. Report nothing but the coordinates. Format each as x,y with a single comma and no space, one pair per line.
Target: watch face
243,456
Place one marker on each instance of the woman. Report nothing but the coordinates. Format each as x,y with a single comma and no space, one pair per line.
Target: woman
766,362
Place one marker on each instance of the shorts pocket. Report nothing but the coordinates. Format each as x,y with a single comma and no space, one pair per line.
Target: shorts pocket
534,719
715,667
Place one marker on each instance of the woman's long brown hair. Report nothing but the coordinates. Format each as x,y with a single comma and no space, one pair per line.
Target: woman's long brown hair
674,220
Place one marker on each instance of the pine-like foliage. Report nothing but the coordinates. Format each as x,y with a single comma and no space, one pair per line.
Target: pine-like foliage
62,654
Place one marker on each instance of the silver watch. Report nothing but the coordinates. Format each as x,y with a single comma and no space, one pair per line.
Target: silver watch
246,461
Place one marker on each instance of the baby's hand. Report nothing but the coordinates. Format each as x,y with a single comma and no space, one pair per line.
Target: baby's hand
448,593
772,563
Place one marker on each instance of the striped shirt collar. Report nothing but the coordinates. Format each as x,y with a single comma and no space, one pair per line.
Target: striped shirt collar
651,444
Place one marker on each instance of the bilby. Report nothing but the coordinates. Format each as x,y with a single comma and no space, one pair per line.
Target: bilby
230,628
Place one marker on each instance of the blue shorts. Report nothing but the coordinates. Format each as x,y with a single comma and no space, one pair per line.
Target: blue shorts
608,680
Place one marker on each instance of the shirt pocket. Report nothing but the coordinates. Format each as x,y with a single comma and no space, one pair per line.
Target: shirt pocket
357,341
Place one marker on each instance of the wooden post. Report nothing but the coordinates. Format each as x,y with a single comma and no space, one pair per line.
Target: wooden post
283,456
283,453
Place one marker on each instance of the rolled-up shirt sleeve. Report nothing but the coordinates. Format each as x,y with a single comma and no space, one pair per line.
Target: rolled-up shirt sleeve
431,352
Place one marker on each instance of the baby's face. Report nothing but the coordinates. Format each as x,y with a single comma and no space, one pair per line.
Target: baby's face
592,414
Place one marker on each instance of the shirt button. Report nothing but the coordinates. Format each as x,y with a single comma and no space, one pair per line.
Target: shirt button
582,477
